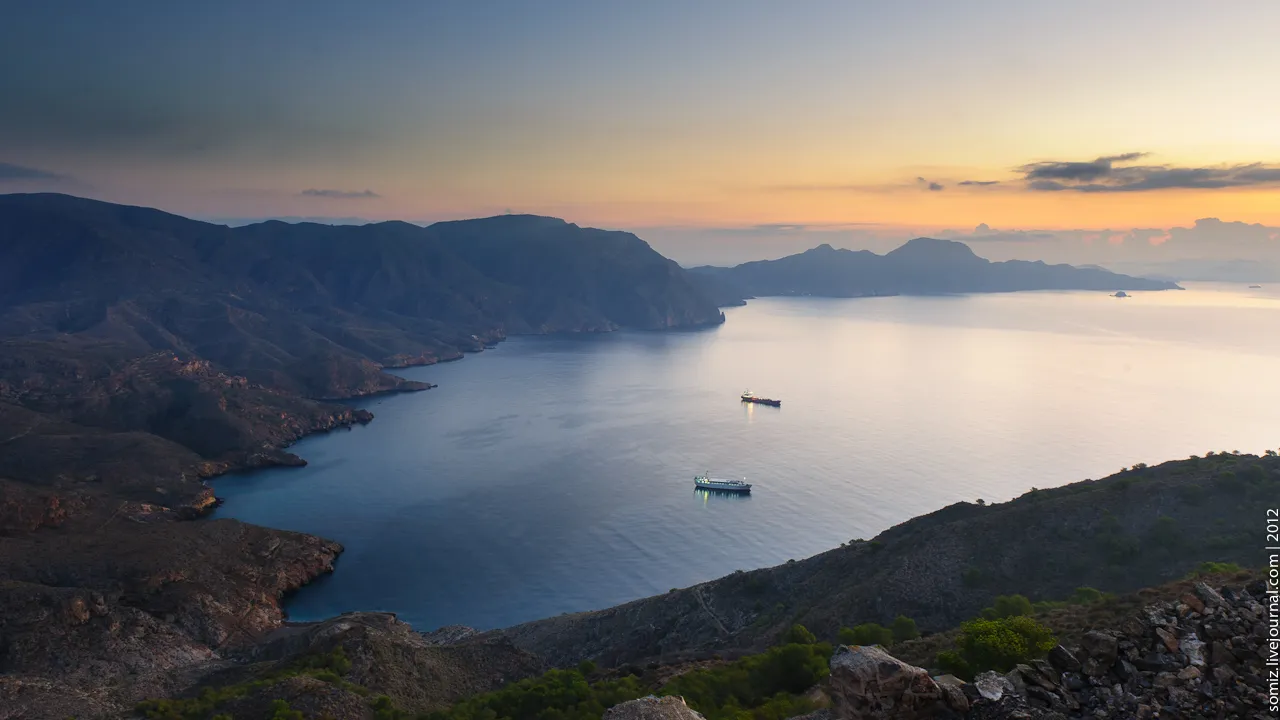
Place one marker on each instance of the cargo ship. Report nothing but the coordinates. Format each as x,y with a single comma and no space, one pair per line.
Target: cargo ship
751,397
705,482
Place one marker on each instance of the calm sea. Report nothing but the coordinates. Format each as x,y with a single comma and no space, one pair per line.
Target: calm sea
554,474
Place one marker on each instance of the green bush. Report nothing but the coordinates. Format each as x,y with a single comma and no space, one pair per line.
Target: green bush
1228,481
328,667
1088,596
1008,606
950,661
558,694
1215,568
722,693
904,628
1001,644
866,634
972,577
799,635
766,686
1164,534
280,710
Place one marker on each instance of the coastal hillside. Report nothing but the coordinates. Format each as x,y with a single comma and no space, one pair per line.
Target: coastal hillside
142,353
184,617
923,266
315,308
1137,528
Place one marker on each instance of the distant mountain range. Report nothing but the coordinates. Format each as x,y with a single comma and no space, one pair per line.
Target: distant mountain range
314,309
923,266
1206,270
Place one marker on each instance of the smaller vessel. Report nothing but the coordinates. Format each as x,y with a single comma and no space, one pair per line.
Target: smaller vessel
751,397
1121,294
706,482
1255,287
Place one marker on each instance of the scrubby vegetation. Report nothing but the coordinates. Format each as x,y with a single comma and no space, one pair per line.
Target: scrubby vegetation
996,645
328,668
1215,568
766,686
903,629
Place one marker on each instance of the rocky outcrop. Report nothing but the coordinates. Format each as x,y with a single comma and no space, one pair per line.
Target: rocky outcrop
122,615
652,708
867,682
1199,656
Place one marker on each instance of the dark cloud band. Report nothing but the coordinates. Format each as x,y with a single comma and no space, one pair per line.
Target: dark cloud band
1109,174
11,172
341,194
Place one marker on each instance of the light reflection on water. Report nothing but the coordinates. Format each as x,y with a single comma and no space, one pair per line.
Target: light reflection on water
551,474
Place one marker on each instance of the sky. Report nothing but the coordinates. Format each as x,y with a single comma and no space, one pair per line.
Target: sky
718,130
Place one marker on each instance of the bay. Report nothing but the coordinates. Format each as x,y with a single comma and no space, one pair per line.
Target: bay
554,474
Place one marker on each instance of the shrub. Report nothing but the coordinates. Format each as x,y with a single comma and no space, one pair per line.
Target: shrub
904,628
1164,534
1227,480
866,634
280,710
1008,606
1088,596
586,667
972,577
1001,644
950,661
757,681
766,686
1254,474
799,635
1215,568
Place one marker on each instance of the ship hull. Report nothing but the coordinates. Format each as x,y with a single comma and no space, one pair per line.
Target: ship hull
723,487
763,401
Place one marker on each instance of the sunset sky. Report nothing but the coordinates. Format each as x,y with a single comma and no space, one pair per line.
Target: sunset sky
701,117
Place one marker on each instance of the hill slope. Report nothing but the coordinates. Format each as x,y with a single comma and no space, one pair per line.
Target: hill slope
312,308
923,266
1139,528
142,352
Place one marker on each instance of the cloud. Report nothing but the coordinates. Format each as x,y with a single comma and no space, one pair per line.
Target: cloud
929,185
979,183
1111,174
341,194
11,172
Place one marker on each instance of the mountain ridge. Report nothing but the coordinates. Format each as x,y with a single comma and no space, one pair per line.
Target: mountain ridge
920,266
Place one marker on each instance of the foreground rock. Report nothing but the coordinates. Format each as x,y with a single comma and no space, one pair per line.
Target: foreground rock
867,682
1196,657
652,708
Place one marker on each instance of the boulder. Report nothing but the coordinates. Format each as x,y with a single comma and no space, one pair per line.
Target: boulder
1100,646
867,683
652,708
